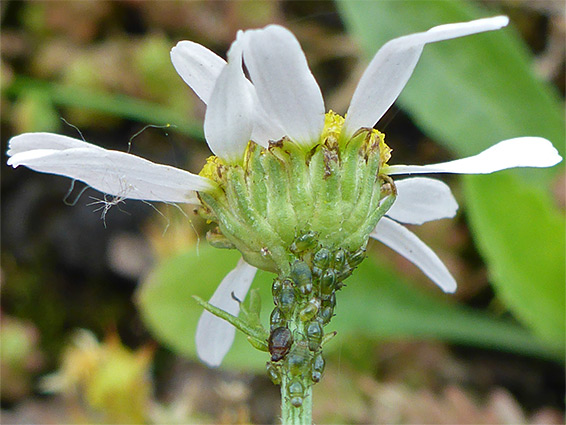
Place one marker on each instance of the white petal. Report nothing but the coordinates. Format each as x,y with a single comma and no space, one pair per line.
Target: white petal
197,66
406,243
228,122
420,199
285,86
115,173
265,128
30,141
392,66
518,152
200,68
214,336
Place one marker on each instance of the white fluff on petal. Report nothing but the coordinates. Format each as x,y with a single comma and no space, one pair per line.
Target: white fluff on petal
392,66
228,121
115,173
215,336
420,199
511,153
198,66
284,84
406,243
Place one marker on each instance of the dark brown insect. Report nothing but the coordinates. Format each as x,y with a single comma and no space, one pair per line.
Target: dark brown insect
279,342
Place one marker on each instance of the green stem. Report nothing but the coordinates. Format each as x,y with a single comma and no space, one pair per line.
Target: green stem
291,415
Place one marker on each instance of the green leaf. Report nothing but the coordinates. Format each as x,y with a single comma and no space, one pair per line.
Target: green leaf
468,94
375,304
529,265
257,336
378,304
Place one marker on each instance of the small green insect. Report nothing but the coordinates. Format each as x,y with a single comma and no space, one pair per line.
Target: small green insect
274,373
317,367
310,310
322,258
297,393
339,259
276,320
355,259
286,298
314,335
302,277
327,283
325,315
304,242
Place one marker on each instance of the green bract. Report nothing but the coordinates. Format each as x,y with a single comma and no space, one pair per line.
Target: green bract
284,200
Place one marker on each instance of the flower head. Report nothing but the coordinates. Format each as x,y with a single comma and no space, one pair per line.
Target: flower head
282,168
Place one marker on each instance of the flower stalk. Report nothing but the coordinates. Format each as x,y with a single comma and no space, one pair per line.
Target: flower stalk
291,414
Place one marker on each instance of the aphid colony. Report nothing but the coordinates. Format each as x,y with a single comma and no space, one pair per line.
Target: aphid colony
306,297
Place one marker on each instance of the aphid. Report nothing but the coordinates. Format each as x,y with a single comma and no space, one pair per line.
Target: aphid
276,320
325,315
343,275
286,298
218,240
279,343
331,301
274,373
355,259
302,276
327,283
310,310
296,392
322,258
317,272
298,360
318,364
276,289
339,259
304,242
314,335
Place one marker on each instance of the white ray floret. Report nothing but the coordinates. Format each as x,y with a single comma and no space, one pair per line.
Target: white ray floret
228,122
198,66
113,172
285,86
215,336
511,153
406,243
392,66
420,199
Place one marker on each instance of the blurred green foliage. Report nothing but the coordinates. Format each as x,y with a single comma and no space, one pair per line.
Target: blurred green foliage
376,304
468,94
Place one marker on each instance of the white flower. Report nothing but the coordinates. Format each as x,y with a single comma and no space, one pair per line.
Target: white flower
283,99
